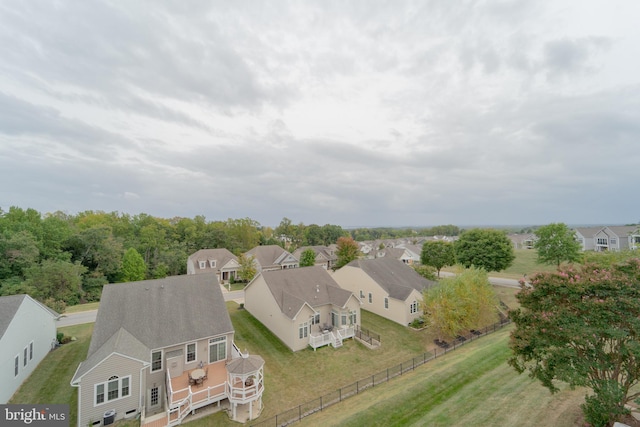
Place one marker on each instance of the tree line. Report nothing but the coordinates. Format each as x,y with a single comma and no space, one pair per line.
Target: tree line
63,259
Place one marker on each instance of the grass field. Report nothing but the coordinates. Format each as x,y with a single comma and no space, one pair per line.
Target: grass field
290,378
472,386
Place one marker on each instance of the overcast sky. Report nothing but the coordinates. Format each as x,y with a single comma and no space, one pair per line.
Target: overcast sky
352,113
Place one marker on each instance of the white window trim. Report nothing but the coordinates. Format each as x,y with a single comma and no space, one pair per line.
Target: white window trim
186,352
16,365
386,303
212,263
202,264
105,391
216,342
25,353
303,330
414,307
370,298
161,363
31,350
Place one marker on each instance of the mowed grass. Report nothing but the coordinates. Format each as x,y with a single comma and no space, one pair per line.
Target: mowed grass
290,378
524,263
49,383
472,386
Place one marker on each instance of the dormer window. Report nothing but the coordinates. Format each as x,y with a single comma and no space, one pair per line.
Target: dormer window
203,264
212,263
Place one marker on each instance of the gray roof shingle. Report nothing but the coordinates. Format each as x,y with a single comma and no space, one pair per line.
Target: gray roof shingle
395,277
291,288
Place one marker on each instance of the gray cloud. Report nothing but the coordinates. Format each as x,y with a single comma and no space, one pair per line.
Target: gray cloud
376,113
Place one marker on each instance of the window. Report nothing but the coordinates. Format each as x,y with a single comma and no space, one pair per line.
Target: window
361,294
212,263
353,317
334,318
156,361
414,307
370,298
203,264
303,330
386,303
31,350
315,319
154,396
112,388
24,359
16,366
217,349
602,240
614,241
343,319
99,393
191,352
116,388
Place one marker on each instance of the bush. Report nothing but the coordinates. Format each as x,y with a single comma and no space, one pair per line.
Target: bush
417,323
59,337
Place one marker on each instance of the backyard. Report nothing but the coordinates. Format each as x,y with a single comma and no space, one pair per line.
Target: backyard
290,378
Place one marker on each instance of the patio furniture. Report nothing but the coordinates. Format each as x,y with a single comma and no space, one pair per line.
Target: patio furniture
198,376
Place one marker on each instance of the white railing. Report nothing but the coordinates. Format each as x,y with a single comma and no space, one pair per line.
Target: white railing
319,340
245,393
346,332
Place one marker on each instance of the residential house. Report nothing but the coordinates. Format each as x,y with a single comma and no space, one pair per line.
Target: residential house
303,307
614,238
325,256
220,261
584,235
523,241
161,349
608,238
27,334
387,287
401,254
272,257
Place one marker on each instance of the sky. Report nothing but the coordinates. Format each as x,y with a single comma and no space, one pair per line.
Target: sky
354,113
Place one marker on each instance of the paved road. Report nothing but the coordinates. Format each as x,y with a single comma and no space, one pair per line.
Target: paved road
90,316
500,281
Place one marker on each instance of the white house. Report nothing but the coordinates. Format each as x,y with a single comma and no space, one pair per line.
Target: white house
27,334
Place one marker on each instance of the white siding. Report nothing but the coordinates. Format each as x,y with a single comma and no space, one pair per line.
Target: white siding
31,323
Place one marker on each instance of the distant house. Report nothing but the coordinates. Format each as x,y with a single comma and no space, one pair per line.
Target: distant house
219,261
404,255
608,238
386,286
27,334
325,256
303,307
523,241
161,349
272,257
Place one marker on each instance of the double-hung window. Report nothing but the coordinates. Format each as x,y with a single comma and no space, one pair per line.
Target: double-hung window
303,330
113,389
386,303
191,352
156,361
414,307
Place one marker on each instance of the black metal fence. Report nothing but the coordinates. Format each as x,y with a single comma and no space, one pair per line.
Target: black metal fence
294,415
367,336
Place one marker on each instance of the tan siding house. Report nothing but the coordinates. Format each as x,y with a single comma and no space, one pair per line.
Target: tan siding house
219,261
160,350
386,286
303,307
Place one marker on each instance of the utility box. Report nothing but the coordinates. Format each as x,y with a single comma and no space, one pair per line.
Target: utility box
109,417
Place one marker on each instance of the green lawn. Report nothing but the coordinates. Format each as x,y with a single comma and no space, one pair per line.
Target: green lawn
470,386
290,378
49,383
524,263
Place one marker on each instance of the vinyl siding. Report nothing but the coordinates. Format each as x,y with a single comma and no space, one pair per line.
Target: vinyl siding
117,365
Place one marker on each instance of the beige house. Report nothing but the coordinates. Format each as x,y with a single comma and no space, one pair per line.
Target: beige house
161,349
325,256
272,257
219,261
303,307
386,286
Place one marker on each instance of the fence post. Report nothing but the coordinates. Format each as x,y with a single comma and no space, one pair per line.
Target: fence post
357,387
339,395
387,374
401,369
299,412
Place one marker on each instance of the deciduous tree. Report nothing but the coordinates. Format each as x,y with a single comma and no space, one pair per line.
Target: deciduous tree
556,243
437,254
582,327
247,269
348,250
133,266
460,303
308,258
484,248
